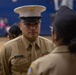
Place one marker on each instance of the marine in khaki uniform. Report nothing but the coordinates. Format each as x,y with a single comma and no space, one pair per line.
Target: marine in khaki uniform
18,53
62,60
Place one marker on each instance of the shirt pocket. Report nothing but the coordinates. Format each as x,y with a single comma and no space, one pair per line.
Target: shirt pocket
19,63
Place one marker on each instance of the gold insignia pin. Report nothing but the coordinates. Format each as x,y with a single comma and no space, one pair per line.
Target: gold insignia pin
32,8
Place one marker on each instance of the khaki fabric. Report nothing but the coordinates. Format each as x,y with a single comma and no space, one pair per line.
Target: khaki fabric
34,55
59,62
16,54
1,69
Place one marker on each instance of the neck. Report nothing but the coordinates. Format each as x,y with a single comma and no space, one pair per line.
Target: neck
58,43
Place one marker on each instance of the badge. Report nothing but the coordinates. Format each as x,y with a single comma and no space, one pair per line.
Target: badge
32,8
45,53
30,71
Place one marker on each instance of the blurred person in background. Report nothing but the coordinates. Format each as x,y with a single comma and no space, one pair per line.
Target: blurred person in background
2,27
59,3
62,60
17,54
2,23
14,31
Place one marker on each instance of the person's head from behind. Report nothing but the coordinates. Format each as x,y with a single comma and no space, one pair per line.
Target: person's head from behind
30,20
14,31
64,28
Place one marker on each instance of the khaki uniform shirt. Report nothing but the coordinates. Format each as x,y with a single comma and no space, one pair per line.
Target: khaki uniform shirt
16,54
59,62
0,69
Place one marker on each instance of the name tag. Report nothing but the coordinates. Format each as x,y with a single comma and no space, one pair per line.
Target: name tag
19,56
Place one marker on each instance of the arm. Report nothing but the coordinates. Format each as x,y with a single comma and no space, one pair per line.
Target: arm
4,61
32,70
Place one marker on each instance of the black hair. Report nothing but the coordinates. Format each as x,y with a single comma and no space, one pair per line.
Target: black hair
15,30
72,46
70,41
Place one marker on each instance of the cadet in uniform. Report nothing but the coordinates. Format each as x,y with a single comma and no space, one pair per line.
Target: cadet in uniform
14,31
18,53
62,60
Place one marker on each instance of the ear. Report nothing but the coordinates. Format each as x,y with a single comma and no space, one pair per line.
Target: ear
19,24
55,36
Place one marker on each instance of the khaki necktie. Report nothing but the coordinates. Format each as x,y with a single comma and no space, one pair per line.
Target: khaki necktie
33,52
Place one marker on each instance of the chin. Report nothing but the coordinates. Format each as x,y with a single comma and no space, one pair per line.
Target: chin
33,38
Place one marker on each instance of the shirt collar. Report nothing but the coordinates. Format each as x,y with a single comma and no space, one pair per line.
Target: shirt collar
61,49
38,42
27,42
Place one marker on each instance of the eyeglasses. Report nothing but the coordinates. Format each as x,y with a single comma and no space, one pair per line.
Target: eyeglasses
31,22
51,28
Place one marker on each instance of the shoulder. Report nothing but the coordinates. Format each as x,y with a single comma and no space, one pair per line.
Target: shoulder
42,60
13,41
10,46
41,65
45,39
47,42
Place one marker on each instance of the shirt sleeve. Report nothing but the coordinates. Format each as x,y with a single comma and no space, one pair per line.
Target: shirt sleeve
0,69
32,70
4,61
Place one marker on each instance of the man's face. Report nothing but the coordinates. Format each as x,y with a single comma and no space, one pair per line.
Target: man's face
30,30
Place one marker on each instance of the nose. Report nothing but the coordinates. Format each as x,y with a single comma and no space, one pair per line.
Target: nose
32,27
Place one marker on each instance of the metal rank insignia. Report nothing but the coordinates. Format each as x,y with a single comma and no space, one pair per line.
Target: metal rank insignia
32,8
45,53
